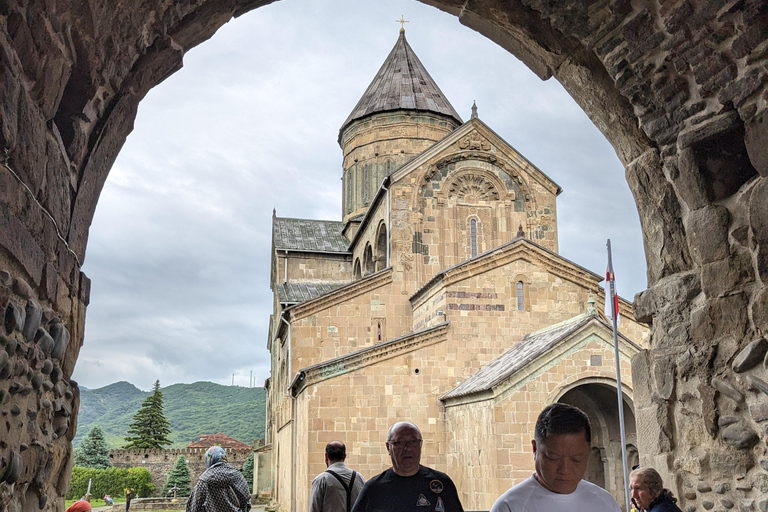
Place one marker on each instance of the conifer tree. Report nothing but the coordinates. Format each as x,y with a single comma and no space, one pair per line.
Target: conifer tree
93,451
248,471
179,476
150,429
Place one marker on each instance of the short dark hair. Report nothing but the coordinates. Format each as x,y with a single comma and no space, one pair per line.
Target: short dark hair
557,419
335,450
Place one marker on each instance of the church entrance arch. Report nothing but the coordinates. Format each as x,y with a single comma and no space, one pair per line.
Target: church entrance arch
597,398
686,115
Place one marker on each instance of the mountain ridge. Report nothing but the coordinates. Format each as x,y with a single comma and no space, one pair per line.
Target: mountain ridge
191,409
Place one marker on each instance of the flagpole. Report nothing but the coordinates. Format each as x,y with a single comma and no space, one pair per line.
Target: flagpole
610,287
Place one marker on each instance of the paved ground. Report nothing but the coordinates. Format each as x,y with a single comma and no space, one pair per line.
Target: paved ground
257,508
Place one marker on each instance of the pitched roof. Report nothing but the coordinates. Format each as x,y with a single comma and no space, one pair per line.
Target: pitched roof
296,292
528,349
208,440
402,83
308,235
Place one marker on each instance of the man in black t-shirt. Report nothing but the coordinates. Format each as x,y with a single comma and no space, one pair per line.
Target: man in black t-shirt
408,486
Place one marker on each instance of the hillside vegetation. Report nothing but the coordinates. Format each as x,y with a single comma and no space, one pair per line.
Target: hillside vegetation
191,409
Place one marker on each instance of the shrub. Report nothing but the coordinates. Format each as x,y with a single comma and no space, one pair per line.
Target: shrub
111,481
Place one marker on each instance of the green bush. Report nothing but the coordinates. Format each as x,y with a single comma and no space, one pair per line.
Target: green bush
111,481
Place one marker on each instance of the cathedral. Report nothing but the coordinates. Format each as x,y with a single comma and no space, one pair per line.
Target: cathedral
439,298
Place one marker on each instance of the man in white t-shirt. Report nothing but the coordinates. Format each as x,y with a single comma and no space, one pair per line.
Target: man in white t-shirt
561,448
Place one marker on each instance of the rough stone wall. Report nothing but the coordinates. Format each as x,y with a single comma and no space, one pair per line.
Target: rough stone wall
678,87
160,462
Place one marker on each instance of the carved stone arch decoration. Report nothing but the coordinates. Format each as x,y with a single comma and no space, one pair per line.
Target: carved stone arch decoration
473,188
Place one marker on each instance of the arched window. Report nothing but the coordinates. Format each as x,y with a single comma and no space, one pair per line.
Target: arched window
350,197
389,167
473,236
365,183
368,264
381,248
520,306
378,331
358,272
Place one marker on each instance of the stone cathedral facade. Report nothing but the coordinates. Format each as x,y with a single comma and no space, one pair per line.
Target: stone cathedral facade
439,298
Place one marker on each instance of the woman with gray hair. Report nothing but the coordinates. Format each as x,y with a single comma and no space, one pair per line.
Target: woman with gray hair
648,492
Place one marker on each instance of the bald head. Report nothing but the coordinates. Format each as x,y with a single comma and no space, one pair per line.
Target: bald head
402,426
404,447
335,451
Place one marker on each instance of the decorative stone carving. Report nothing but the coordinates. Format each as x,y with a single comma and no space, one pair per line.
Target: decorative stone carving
474,141
472,188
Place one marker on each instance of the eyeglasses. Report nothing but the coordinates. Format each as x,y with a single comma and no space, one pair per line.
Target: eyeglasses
413,443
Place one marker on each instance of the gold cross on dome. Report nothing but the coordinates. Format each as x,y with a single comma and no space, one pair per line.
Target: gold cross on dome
402,23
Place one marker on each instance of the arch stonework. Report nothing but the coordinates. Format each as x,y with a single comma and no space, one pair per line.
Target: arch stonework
678,88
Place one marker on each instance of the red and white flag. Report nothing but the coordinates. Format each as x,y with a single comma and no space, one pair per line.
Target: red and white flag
610,289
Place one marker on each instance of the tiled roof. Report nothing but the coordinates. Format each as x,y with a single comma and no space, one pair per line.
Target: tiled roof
529,348
308,235
402,83
295,292
208,440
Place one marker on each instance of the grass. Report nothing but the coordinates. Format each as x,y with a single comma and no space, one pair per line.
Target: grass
95,502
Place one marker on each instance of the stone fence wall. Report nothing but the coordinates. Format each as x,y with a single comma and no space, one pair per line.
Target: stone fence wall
160,462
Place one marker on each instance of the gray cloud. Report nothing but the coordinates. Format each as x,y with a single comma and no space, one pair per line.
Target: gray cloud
179,248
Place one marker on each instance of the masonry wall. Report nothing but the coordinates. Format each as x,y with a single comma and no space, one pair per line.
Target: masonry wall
160,462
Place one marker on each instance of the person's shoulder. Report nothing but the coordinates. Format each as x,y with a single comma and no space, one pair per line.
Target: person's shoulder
516,497
382,478
433,473
589,489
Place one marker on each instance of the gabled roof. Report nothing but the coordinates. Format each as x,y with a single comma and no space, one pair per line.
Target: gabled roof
308,235
402,83
297,292
527,350
208,440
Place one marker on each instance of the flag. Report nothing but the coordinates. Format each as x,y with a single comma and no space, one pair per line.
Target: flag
610,283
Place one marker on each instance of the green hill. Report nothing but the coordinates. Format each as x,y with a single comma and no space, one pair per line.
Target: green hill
191,409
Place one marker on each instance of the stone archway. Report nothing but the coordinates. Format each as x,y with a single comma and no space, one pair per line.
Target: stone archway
598,400
678,88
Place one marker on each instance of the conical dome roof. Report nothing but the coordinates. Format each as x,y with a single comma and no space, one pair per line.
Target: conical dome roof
401,83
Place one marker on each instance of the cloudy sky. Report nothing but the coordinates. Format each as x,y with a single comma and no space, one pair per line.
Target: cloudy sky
179,247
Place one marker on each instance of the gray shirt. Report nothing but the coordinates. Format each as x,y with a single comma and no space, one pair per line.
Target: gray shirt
328,495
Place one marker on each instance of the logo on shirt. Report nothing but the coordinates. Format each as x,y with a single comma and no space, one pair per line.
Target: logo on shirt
436,486
423,501
440,507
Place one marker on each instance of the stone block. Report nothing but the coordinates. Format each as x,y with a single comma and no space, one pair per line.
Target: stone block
688,181
756,140
750,356
723,276
707,233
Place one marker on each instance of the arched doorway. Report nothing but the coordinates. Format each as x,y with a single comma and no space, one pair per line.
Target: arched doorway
598,400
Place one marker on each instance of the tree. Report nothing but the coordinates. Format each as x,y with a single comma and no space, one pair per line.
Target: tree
248,471
150,429
179,476
93,452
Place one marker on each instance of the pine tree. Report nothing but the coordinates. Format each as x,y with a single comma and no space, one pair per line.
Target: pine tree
93,451
248,471
179,476
150,429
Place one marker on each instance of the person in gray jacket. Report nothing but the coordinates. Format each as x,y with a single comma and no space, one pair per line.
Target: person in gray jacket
336,489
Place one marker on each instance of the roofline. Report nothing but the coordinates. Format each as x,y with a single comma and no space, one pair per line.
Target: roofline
302,372
390,110
419,159
440,275
339,253
488,390
368,213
